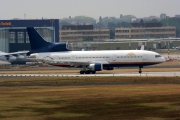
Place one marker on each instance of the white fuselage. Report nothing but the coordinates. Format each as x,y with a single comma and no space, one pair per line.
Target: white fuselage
111,58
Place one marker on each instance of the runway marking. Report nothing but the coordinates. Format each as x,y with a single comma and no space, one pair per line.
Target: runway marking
145,74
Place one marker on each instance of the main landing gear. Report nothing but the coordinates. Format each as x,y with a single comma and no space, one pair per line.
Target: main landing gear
87,72
140,71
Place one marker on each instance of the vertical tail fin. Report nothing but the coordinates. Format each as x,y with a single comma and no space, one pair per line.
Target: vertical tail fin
36,41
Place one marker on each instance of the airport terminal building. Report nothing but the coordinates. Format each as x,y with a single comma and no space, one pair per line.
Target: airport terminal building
14,37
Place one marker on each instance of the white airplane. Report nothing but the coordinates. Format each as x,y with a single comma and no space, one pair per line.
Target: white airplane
57,54
92,61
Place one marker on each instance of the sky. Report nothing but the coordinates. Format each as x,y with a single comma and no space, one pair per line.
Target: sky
58,9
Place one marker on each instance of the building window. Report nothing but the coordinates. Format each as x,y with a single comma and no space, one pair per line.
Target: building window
27,38
12,38
20,37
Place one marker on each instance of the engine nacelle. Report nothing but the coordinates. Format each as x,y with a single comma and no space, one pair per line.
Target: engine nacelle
95,67
11,58
3,58
108,68
20,56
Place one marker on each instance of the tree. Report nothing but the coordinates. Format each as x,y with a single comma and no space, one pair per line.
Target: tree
127,18
154,20
112,25
172,22
162,15
99,25
100,19
123,24
112,33
80,18
121,16
141,21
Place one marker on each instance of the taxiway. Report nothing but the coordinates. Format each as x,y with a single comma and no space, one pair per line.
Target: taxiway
144,74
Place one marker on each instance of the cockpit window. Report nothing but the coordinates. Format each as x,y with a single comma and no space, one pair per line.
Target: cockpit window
156,56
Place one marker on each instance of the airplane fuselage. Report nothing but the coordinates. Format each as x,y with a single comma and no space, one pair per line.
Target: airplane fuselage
89,61
108,59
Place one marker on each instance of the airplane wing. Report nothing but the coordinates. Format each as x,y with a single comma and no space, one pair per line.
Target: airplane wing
12,56
17,53
14,53
75,63
82,62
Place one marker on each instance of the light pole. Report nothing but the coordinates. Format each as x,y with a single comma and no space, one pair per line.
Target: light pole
167,25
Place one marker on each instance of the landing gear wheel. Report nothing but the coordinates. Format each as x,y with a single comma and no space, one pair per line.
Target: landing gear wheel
87,72
140,71
93,72
82,72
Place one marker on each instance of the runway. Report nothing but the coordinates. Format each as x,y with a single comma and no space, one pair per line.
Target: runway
144,74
